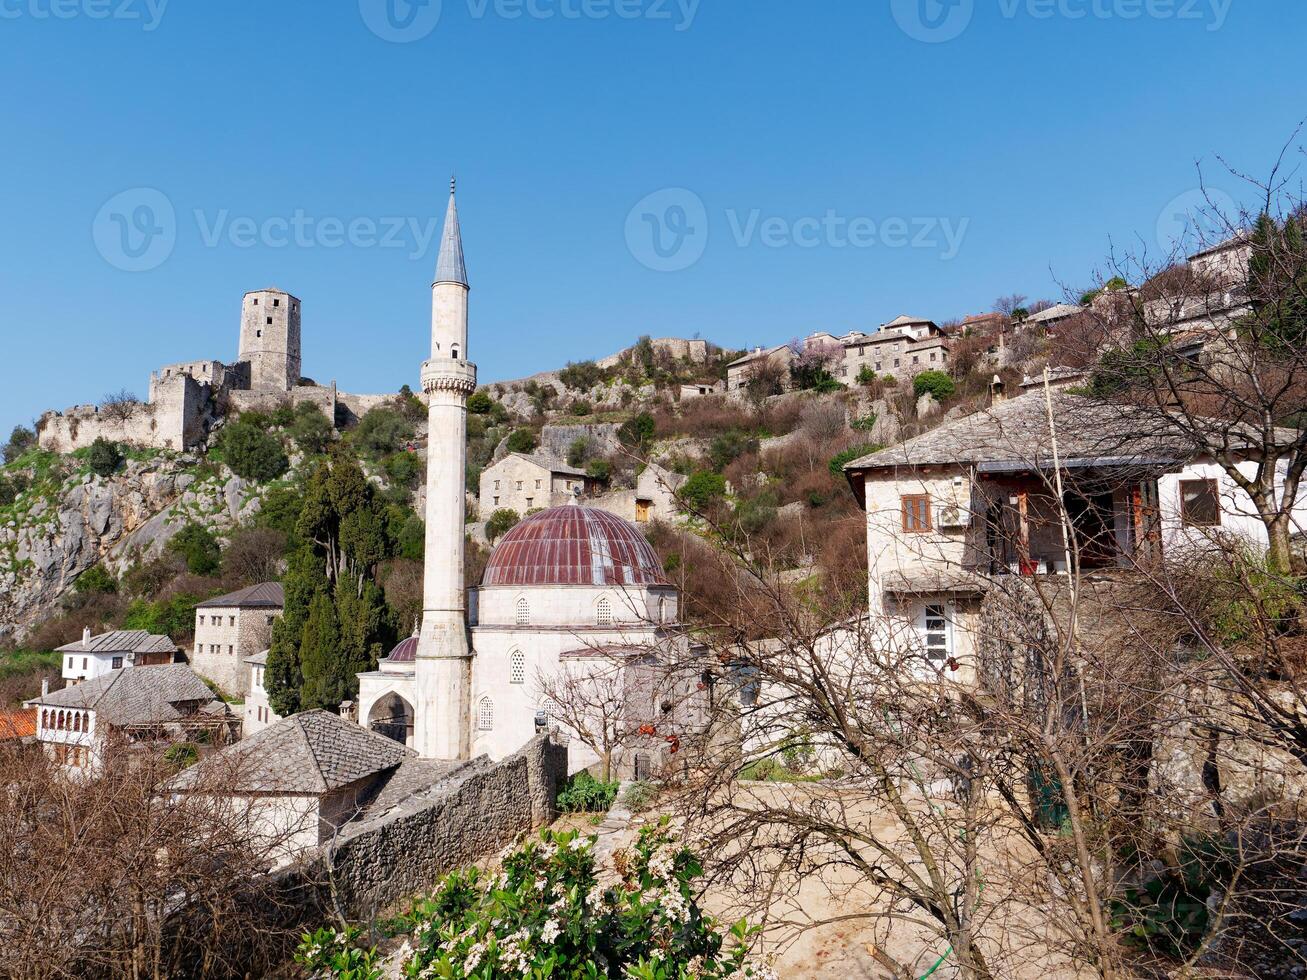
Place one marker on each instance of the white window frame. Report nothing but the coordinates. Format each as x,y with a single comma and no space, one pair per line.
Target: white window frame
517,667
485,715
604,612
523,609
936,620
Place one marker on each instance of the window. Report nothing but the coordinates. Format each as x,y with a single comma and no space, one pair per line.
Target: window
916,513
538,483
1200,505
258,333
201,622
896,362
530,502
486,715
935,633
231,620
231,650
519,484
70,663
496,484
270,619
517,667
604,612
84,661
496,501
269,321
256,301
523,612
932,355
117,663
276,302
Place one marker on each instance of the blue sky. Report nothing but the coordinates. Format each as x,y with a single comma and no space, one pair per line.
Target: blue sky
851,160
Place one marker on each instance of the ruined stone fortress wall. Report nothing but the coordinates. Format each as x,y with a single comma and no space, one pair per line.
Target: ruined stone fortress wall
695,351
185,399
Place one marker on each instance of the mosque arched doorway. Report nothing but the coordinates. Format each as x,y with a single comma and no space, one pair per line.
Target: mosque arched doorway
392,717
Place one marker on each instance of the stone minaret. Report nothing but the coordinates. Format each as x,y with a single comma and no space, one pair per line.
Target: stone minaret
443,672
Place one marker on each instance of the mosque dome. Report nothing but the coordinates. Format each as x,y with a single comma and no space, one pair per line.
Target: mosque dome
405,651
574,545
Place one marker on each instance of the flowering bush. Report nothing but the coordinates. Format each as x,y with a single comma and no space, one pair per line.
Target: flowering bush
328,952
547,914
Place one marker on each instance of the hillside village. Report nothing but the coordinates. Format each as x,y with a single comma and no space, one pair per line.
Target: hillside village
993,626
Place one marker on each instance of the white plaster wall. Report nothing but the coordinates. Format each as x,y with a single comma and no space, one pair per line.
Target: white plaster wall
574,606
1238,515
256,701
79,667
889,549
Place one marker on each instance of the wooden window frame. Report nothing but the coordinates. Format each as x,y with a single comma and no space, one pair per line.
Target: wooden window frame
907,508
1185,519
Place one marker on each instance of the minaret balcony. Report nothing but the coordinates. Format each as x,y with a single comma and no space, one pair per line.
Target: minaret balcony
449,374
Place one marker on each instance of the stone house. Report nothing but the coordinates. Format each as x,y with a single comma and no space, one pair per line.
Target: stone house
1049,319
232,628
126,707
971,502
94,656
258,712
653,499
524,482
305,777
741,371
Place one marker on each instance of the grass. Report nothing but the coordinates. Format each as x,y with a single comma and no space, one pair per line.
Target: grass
771,771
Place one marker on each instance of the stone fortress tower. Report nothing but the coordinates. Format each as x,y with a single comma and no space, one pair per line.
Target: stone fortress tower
443,668
270,339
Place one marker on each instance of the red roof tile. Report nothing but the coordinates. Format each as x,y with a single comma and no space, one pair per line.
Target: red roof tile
17,724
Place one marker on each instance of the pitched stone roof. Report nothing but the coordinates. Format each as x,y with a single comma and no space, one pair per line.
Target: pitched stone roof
903,320
260,659
1059,312
122,641
307,754
267,595
139,695
758,354
549,463
1017,432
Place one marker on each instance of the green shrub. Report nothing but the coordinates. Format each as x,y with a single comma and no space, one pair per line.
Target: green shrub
501,522
599,469
310,430
582,407
21,439
182,755
104,457
937,384
522,441
843,459
582,375
548,915
404,470
168,617
703,488
1168,913
381,432
866,375
585,794
729,447
9,490
639,796
637,432
864,424
96,581
252,453
579,451
284,416
197,545
480,403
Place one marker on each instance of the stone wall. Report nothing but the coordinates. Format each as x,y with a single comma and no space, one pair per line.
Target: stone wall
556,440
176,420
476,811
695,351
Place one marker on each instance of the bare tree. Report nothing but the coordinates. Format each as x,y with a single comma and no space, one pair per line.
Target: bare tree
119,405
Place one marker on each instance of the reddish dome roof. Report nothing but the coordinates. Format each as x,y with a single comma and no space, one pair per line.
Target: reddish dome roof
574,545
405,652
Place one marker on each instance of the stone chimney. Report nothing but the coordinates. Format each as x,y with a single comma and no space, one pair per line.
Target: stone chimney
997,391
86,636
45,686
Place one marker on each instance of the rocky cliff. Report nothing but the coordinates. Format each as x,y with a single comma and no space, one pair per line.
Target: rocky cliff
67,520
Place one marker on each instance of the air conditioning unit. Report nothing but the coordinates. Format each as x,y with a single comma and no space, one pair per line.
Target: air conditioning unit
954,516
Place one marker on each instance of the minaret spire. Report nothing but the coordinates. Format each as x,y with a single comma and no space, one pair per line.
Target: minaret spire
443,667
449,264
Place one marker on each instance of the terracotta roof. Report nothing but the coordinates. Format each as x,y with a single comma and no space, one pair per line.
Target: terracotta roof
574,545
122,641
267,595
310,753
138,695
17,724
